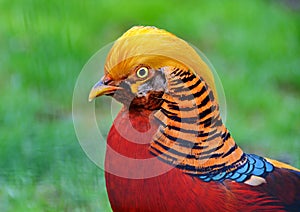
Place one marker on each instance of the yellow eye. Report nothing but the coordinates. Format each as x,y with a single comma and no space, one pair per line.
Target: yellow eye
142,72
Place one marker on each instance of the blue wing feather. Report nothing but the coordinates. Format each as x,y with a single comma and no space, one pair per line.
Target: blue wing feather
255,165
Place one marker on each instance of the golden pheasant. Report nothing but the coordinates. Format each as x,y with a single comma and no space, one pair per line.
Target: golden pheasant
168,147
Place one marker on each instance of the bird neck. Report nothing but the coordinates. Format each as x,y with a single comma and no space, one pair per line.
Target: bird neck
192,135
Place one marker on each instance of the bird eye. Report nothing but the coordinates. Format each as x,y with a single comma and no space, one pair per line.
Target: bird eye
142,72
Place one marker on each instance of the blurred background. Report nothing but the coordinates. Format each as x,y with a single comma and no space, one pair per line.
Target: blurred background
253,45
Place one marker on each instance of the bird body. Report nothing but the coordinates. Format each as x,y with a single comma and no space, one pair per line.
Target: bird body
175,191
168,147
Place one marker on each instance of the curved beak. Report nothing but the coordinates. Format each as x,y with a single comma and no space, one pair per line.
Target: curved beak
101,88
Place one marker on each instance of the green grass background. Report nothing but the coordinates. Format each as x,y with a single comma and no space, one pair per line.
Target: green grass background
253,45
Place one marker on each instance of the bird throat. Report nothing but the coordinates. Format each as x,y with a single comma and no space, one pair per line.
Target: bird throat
191,135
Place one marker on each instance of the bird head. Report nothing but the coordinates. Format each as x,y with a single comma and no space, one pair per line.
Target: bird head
139,64
152,69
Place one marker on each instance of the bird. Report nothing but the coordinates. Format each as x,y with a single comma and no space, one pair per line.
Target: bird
168,147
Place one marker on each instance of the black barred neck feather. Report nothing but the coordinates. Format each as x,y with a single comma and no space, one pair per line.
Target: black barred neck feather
191,135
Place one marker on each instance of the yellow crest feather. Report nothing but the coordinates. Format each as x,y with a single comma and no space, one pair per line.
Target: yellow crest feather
158,47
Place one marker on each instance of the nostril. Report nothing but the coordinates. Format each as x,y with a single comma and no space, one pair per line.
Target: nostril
106,80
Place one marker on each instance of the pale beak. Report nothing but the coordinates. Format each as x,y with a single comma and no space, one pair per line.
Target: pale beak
100,88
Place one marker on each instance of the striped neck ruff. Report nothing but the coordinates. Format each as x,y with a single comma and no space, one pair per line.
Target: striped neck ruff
191,135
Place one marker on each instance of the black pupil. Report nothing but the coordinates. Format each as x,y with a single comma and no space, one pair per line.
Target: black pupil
142,72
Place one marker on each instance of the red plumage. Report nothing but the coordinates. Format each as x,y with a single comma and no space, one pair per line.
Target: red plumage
176,191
